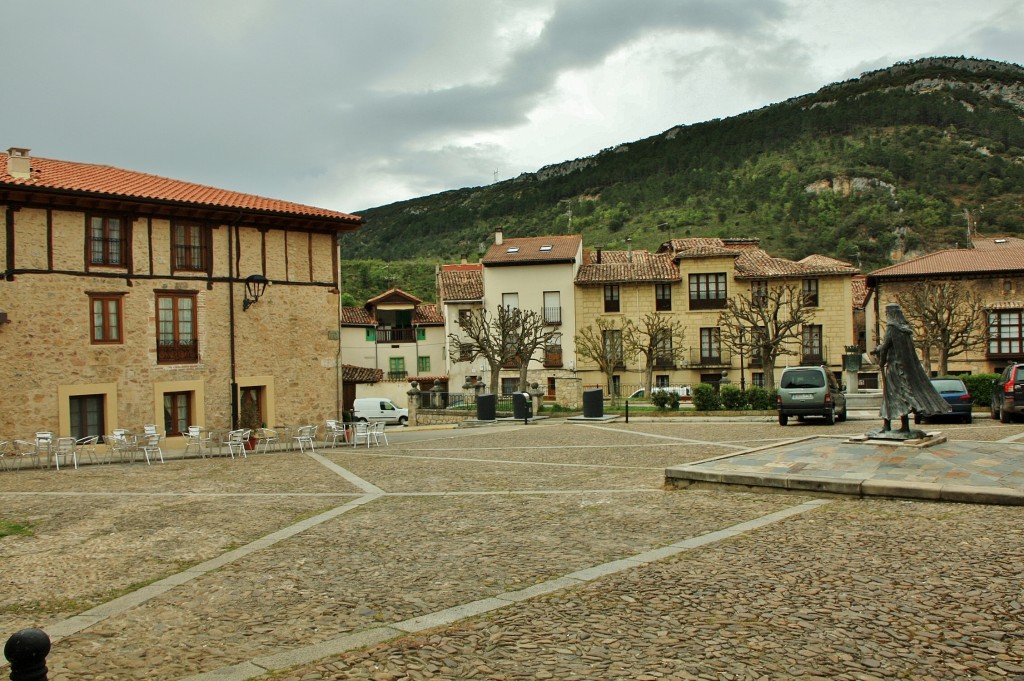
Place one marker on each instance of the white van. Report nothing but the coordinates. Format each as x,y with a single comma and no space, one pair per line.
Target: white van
379,409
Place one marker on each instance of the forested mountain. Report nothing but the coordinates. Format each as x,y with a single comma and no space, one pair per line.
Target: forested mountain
894,163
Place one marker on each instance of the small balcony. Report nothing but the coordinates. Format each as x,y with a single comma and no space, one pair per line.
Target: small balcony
398,375
552,316
386,335
813,359
715,358
177,352
553,357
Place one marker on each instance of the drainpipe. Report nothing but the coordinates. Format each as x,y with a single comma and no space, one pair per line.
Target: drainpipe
233,227
339,397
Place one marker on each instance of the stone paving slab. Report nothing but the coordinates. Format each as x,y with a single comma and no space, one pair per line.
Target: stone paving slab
953,470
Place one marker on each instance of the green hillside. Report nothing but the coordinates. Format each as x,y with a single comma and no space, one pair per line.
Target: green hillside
890,164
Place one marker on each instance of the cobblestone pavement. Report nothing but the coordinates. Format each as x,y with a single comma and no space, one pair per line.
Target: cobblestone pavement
333,566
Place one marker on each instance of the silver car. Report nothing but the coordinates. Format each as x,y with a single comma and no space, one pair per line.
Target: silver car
810,391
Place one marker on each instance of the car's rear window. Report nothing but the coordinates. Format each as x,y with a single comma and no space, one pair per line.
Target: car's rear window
949,385
803,379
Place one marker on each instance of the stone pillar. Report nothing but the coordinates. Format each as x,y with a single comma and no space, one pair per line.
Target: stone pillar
414,402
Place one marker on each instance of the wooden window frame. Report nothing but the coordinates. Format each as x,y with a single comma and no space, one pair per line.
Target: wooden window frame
177,351
423,364
112,251
105,325
184,253
79,422
809,291
708,291
169,424
612,302
663,297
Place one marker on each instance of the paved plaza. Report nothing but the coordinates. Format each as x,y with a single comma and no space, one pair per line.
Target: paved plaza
547,551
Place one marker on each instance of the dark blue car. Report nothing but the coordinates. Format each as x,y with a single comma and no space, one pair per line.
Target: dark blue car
956,395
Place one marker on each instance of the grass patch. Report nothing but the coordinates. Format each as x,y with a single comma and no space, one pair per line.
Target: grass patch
8,527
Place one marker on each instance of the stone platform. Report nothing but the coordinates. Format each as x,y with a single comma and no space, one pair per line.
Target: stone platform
964,471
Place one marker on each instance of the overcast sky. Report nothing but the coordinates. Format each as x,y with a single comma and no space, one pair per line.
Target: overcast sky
351,104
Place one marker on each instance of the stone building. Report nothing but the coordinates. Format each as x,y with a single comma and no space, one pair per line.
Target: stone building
993,269
129,299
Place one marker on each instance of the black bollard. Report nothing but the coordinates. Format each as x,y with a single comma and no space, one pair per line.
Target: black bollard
26,650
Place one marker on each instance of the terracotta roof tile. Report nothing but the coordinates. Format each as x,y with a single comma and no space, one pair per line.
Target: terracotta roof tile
110,181
395,295
997,243
617,266
460,285
956,261
755,264
357,316
533,250
859,289
427,314
354,374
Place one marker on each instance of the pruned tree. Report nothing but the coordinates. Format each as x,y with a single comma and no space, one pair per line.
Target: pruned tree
948,320
764,324
655,339
511,336
603,345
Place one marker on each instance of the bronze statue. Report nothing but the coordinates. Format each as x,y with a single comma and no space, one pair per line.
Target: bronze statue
905,385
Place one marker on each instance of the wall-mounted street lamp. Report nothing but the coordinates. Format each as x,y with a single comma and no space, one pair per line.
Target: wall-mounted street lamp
255,285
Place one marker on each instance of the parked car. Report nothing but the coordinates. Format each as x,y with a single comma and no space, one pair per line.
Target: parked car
956,395
683,391
1008,394
379,409
810,391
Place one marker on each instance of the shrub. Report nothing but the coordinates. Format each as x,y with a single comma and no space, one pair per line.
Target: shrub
980,387
664,400
705,398
757,398
732,397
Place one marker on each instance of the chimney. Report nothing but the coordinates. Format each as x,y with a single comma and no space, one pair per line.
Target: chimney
465,259
497,236
599,248
629,249
19,163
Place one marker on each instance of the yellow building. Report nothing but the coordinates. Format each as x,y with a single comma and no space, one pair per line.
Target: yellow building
130,299
692,280
993,270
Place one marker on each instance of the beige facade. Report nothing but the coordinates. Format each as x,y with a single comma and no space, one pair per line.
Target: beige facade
993,270
112,325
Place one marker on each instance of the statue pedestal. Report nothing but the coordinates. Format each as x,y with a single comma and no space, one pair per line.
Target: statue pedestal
899,438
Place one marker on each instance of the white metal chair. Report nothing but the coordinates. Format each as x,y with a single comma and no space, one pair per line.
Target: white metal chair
306,436
6,454
236,442
65,448
335,431
44,446
361,433
86,446
151,445
265,437
377,433
23,449
123,444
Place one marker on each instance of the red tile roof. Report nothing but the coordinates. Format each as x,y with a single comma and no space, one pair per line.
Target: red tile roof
620,267
109,181
394,295
425,315
859,289
533,250
956,261
353,374
460,285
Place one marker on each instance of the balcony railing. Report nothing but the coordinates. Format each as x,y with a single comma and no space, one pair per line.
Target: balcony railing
177,352
714,358
553,358
395,335
813,359
398,375
664,363
553,315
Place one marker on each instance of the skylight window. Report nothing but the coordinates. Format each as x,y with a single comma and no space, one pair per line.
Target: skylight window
545,248
513,249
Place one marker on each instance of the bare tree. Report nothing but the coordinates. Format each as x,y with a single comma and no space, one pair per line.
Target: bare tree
511,336
603,346
656,338
948,318
763,323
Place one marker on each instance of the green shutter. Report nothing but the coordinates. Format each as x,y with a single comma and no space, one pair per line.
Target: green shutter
423,365
371,335
421,333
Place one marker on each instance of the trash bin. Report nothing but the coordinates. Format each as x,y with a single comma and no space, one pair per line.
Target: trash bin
522,406
593,403
486,407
